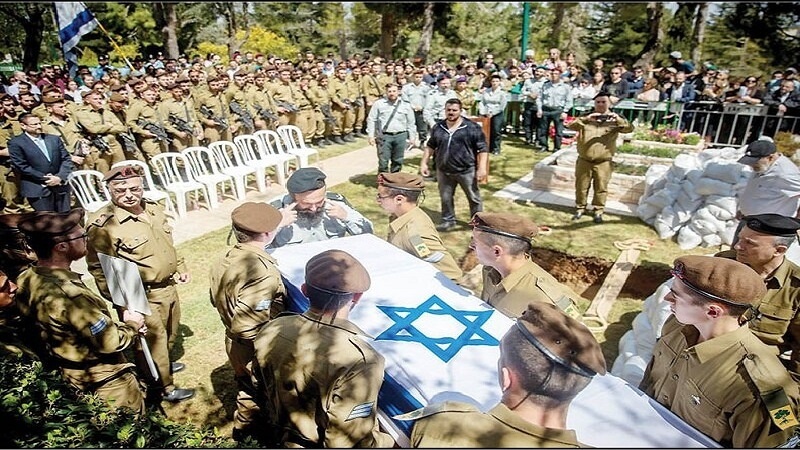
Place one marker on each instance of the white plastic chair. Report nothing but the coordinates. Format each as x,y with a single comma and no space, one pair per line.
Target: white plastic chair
151,192
204,169
248,154
224,153
295,144
272,144
172,169
90,189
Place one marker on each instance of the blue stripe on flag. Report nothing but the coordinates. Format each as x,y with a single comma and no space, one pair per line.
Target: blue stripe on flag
81,24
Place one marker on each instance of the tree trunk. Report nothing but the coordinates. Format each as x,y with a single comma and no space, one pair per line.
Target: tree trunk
699,32
34,29
655,12
427,32
559,12
170,30
388,30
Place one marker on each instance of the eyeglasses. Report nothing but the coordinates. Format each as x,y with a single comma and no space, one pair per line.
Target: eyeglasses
122,191
80,236
750,81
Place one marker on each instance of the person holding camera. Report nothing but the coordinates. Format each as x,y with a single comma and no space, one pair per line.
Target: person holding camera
597,143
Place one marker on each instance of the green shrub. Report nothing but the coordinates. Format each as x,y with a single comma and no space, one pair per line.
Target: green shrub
39,409
648,151
629,169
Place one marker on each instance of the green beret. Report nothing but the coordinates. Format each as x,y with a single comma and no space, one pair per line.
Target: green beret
505,224
50,223
123,173
720,279
256,217
401,180
305,179
337,271
774,224
562,339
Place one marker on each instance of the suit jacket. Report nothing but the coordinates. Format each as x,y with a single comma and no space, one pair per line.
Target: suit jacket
27,159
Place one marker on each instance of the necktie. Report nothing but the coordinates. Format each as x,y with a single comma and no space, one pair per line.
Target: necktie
40,143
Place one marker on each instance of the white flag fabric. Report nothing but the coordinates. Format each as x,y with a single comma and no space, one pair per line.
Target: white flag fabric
74,22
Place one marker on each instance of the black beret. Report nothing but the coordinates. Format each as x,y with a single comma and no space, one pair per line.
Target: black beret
305,179
602,93
774,224
50,223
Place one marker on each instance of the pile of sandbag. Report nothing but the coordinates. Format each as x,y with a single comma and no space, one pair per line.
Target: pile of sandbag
695,198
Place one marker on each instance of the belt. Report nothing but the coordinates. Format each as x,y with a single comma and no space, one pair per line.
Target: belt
395,133
85,365
159,285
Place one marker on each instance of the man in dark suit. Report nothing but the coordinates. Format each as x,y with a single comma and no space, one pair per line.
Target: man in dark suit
43,165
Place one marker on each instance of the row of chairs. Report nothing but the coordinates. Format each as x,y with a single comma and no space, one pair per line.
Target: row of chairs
207,171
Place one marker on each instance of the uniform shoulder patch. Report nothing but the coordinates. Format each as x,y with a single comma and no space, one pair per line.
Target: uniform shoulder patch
770,382
361,411
101,220
263,304
338,198
420,248
436,408
98,327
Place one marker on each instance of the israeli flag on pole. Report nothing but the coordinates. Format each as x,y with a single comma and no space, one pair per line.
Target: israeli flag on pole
74,21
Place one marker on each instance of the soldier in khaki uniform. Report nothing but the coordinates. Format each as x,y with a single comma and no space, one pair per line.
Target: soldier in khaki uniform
342,104
118,104
597,142
710,369
410,228
762,245
96,120
137,230
147,115
235,93
546,359
214,103
285,96
247,290
13,340
323,115
319,376
58,123
180,119
502,243
266,110
305,119
464,93
81,337
360,109
10,197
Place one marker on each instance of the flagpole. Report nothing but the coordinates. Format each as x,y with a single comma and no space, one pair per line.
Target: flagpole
116,47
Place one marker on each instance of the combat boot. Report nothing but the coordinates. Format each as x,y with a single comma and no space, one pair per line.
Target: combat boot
338,140
349,137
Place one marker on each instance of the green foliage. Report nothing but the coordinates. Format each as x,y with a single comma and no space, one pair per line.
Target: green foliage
460,36
40,410
664,133
265,41
616,30
204,48
648,151
638,170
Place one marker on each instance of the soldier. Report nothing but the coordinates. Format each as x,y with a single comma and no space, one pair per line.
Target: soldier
710,369
81,337
15,253
762,245
247,290
58,122
12,333
465,94
236,98
410,229
310,213
283,92
212,111
264,104
546,360
335,405
147,125
360,109
502,243
118,104
371,87
10,198
391,126
323,114
136,230
180,119
342,107
100,127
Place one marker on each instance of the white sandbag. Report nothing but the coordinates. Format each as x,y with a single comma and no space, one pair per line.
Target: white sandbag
702,227
682,164
711,240
654,179
730,232
661,199
666,223
709,154
721,170
719,213
688,239
688,187
711,186
693,175
647,213
714,224
726,203
685,203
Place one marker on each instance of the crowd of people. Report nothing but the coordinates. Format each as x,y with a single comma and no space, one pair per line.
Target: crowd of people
306,378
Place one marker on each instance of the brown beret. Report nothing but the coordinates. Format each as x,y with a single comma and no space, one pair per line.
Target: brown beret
721,279
256,217
562,339
337,271
118,87
305,179
49,99
50,88
117,97
134,81
401,180
270,67
172,86
505,224
183,79
10,221
50,223
123,173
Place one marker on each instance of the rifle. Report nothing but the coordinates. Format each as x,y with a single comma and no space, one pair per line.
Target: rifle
266,114
81,149
244,115
129,142
358,103
180,124
158,130
221,122
96,140
326,111
288,106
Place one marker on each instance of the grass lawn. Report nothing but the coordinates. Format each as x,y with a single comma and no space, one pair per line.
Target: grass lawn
201,342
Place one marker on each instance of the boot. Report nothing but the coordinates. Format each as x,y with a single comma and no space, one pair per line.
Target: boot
349,137
318,142
338,140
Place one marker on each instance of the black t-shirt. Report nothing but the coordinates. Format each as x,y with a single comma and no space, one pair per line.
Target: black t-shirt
457,152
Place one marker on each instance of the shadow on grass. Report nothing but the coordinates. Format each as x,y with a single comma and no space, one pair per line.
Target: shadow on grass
178,351
613,334
225,389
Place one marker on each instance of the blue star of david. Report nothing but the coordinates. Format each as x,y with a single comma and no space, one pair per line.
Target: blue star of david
447,347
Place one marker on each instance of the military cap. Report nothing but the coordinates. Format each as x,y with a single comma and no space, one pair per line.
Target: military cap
505,224
256,217
337,271
562,339
442,76
774,224
602,93
117,97
757,150
50,223
11,221
183,79
172,86
720,279
118,87
50,88
461,79
401,180
134,81
123,173
305,179
50,99
270,67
